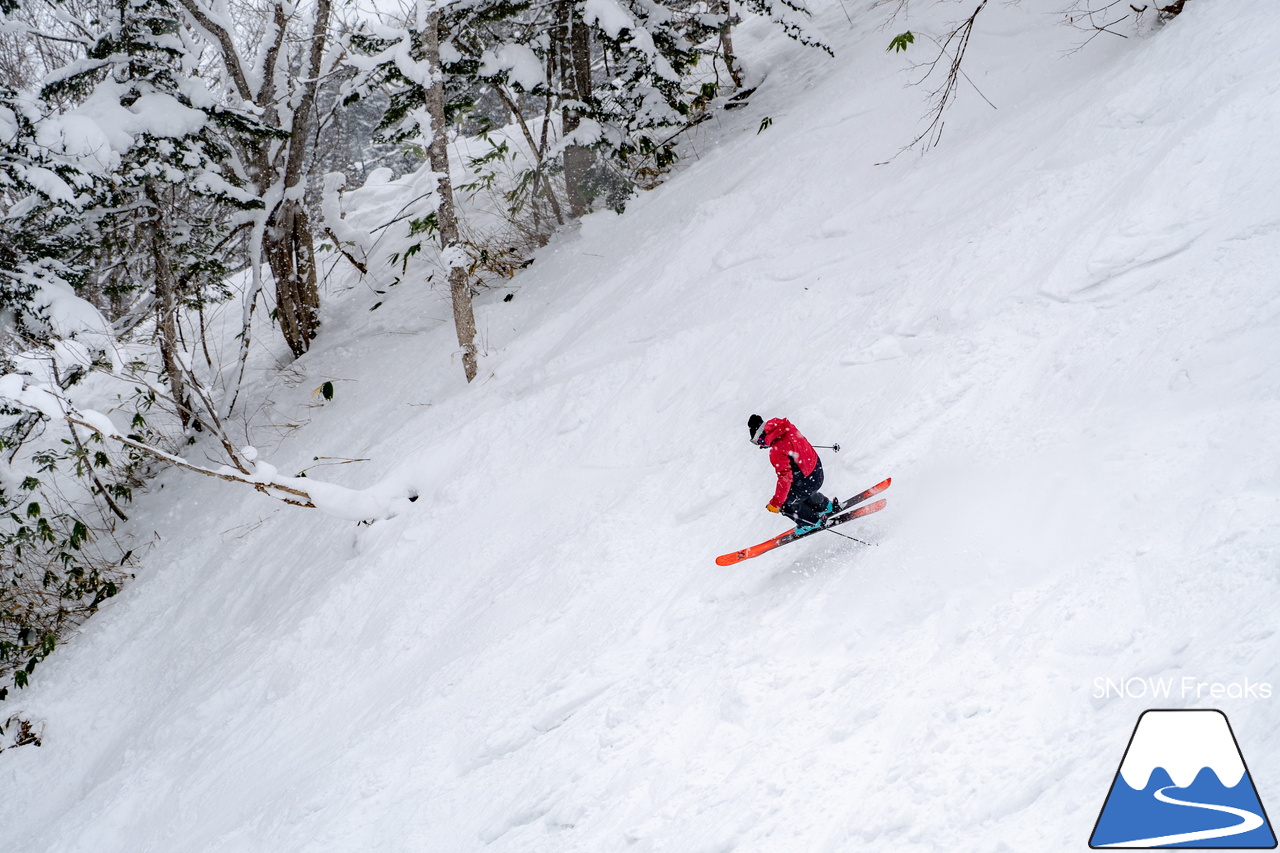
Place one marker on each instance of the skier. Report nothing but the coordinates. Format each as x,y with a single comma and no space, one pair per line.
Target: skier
799,473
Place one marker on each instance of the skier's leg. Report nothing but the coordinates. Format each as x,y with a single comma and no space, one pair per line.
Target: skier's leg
805,501
818,501
817,504
797,507
821,504
800,512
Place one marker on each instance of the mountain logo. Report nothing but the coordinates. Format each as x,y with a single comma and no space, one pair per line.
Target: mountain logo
1182,783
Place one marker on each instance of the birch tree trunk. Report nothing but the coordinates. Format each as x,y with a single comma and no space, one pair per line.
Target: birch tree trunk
726,45
447,213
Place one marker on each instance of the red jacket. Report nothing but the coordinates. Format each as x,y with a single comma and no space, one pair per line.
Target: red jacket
785,445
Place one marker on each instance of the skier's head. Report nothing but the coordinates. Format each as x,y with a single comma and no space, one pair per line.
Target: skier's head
755,424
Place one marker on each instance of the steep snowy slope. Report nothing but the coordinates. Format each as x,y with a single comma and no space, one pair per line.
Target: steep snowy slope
1058,332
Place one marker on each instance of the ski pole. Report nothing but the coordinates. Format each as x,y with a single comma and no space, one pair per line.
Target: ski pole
834,447
854,538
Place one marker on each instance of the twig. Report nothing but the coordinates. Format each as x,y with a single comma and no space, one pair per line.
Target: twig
364,269
337,460
102,490
84,455
961,70
947,93
846,14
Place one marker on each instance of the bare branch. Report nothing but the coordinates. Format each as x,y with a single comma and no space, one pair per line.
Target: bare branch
947,93
364,269
230,56
299,497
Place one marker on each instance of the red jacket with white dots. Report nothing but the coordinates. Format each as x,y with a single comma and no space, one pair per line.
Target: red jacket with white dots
787,445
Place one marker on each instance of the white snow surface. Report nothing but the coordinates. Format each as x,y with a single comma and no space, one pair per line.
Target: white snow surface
1057,332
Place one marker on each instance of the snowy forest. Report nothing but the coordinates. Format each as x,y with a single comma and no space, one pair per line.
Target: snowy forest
156,152
373,375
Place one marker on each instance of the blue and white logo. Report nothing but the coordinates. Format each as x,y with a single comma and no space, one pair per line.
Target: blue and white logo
1183,783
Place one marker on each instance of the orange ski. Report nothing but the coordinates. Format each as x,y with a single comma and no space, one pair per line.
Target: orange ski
790,535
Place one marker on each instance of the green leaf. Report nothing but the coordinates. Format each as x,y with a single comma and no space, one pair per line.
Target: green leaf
79,533
327,390
900,42
765,124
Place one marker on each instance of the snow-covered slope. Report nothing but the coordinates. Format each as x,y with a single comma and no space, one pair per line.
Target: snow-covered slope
1057,332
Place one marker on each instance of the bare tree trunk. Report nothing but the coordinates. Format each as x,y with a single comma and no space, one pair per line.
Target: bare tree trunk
447,213
167,310
726,46
540,177
579,158
291,256
290,251
542,141
573,49
257,242
287,243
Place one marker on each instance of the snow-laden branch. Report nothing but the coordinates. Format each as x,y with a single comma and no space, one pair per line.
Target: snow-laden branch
378,502
219,32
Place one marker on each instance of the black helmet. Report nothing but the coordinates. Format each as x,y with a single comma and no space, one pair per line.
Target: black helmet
755,424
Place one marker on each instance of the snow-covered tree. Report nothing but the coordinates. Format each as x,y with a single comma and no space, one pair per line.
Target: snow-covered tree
42,196
616,73
611,70
174,188
410,61
275,53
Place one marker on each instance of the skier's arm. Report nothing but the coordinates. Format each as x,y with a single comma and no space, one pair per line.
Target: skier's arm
781,464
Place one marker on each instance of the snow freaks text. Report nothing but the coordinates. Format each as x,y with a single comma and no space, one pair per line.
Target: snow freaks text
1184,687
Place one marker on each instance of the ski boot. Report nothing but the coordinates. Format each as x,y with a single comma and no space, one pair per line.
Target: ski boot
832,507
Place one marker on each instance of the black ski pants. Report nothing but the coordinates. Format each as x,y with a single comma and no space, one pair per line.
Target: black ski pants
804,502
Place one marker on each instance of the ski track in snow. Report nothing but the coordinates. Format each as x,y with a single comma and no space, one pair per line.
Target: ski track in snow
1057,332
